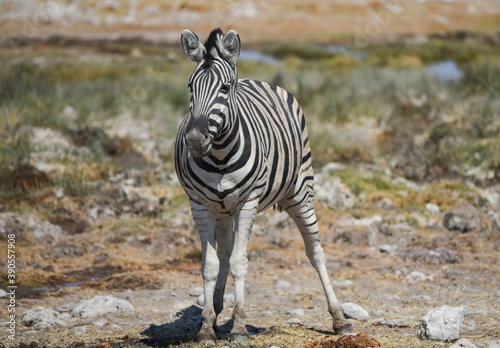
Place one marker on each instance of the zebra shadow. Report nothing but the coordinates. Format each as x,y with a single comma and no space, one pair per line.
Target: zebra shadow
185,328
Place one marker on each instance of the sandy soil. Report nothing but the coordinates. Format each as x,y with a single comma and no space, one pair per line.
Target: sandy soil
257,21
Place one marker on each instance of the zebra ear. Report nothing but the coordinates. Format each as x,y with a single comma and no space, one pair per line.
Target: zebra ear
192,46
231,47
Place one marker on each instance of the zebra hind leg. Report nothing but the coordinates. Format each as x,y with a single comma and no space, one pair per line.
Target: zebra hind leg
303,214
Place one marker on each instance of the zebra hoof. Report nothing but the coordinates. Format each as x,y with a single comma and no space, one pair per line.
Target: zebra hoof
343,328
238,337
206,337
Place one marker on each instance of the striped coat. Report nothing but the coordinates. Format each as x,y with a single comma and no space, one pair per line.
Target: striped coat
242,148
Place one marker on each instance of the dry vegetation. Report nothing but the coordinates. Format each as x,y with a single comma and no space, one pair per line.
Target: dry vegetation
87,139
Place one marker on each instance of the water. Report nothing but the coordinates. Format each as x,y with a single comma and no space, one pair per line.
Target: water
446,70
59,287
258,57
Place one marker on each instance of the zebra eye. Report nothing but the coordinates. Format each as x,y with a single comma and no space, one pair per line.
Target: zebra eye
225,89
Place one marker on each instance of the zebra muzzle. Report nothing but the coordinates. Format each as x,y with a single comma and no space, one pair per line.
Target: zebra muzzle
198,143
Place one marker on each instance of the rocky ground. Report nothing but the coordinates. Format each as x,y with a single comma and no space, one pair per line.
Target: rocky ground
120,264
106,252
64,22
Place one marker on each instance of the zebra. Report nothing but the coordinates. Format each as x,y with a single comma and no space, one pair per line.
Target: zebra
242,148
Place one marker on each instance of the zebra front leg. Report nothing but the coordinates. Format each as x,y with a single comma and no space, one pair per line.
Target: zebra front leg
205,222
305,219
224,229
239,267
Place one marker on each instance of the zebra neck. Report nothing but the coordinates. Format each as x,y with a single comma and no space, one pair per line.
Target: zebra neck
228,143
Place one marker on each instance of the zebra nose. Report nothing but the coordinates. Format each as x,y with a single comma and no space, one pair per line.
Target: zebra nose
198,143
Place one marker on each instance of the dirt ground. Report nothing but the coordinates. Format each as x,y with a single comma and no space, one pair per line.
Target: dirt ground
153,262
137,241
259,22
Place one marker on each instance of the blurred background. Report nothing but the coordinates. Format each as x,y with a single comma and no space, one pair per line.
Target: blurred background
403,109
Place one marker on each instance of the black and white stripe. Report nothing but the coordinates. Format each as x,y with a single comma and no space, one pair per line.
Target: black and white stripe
242,148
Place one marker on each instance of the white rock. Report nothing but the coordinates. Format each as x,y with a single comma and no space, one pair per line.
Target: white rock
433,208
462,219
41,317
355,311
99,305
334,193
283,284
3,293
299,312
69,113
463,343
332,167
341,284
79,330
200,300
48,139
443,323
415,277
293,322
195,292
99,324
495,344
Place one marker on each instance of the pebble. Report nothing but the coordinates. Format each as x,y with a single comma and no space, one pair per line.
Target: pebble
444,323
283,284
3,293
433,209
41,318
200,300
99,305
462,219
415,277
195,292
341,284
299,312
99,324
355,311
293,322
79,330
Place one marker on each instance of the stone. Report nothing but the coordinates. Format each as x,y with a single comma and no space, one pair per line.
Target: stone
3,293
28,227
195,292
69,114
388,249
462,219
68,307
99,324
433,209
41,318
79,330
431,256
299,312
334,193
415,277
444,323
494,344
283,284
293,322
355,311
463,343
200,300
342,284
99,305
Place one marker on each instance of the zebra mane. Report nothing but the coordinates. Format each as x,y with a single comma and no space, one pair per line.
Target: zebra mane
213,46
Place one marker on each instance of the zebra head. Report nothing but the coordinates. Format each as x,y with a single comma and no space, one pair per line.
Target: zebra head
213,87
